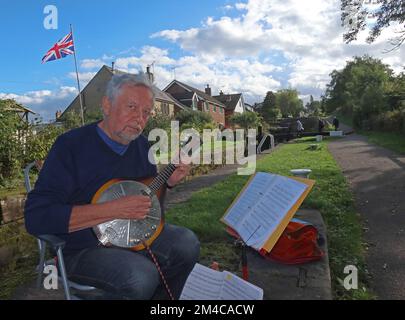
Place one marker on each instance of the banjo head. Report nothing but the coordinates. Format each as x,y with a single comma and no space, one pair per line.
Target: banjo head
122,232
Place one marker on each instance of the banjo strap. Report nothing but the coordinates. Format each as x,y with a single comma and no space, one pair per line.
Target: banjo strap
169,292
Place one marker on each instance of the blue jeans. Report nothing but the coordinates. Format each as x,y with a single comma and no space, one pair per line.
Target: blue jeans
125,274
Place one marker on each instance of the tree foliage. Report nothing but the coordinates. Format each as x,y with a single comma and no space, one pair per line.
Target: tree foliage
269,110
313,107
354,14
246,120
11,139
39,140
158,121
194,119
364,89
289,103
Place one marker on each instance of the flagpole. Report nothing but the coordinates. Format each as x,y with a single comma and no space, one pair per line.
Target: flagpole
77,78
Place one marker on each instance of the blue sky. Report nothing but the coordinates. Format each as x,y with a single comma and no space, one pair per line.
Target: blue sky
248,46
100,27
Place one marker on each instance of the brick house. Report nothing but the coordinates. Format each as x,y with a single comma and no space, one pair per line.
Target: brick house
234,104
198,100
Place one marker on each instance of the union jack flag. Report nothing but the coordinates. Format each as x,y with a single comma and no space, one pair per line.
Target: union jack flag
61,49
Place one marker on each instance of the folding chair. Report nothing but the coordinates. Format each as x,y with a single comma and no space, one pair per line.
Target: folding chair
57,245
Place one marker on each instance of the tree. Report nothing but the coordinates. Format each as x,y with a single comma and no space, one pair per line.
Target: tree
40,139
246,120
289,103
158,121
359,90
194,119
313,107
269,110
354,14
11,141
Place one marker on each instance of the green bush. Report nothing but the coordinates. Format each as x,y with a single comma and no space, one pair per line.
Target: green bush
158,121
39,141
390,121
195,119
246,120
12,136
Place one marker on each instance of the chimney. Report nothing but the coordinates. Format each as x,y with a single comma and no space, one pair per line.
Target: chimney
149,74
112,66
208,90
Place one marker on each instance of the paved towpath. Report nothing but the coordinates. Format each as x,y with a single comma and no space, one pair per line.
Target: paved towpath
377,178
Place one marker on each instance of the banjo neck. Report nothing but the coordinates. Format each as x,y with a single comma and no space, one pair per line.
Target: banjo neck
165,174
162,178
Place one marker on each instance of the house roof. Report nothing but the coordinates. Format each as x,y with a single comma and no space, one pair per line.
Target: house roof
184,98
16,107
229,100
176,102
159,94
199,93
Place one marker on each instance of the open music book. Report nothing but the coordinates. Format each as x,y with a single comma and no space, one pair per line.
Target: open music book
264,207
204,283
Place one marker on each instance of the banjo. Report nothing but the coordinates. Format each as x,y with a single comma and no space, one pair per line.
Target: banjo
133,234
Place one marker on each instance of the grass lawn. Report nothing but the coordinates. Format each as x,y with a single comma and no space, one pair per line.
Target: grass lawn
330,196
23,249
390,140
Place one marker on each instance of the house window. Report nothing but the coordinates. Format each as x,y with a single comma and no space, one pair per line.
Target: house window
221,110
215,108
165,108
207,106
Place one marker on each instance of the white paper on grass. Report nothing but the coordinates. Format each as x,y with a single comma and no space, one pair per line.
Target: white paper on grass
262,206
204,283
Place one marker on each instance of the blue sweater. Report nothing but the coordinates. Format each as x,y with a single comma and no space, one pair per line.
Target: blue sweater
78,164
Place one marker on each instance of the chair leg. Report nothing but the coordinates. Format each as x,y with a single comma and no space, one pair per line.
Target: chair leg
62,270
42,253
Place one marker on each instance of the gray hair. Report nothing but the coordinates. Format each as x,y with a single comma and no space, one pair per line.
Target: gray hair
118,80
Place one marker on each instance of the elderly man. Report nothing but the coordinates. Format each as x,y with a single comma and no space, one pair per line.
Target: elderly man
79,163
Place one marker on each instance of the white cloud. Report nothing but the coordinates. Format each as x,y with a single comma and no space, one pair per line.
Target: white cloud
84,77
149,55
44,102
240,6
227,7
306,33
91,63
250,76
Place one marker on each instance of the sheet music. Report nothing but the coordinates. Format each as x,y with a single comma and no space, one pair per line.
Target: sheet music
203,283
235,288
248,198
262,206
